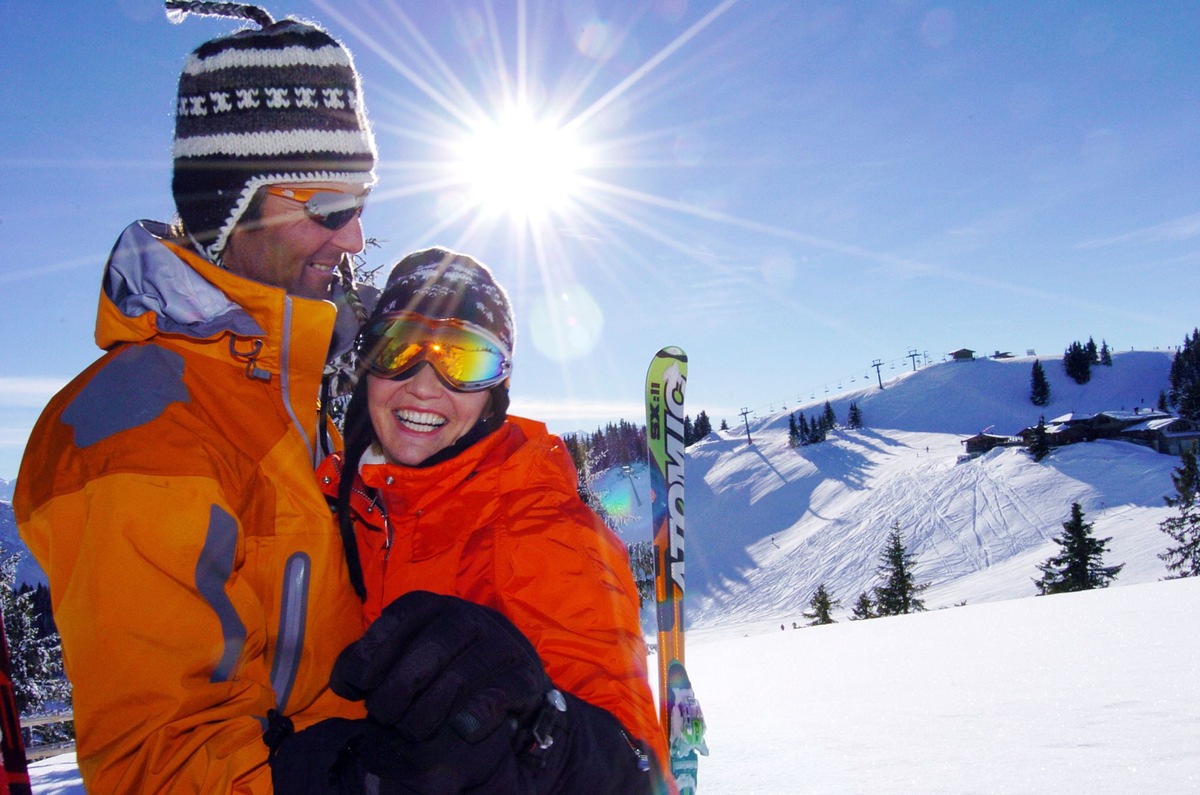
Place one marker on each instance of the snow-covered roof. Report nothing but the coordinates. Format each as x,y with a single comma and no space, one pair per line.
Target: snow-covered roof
1125,416
1158,424
1069,417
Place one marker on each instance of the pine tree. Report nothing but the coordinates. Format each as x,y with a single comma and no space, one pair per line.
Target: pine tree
641,563
898,594
1105,354
1077,362
1093,353
703,426
1162,405
854,418
689,431
1039,387
816,433
724,424
828,418
805,434
1039,445
1077,566
793,431
863,609
1183,559
820,606
1184,378
39,685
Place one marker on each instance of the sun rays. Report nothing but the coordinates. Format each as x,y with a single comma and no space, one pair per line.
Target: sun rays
514,159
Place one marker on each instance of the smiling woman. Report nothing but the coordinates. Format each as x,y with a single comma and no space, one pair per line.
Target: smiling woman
520,166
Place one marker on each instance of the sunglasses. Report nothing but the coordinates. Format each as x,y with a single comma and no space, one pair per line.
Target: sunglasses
330,208
466,357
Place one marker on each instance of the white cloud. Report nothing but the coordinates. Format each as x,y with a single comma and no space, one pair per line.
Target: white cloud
28,392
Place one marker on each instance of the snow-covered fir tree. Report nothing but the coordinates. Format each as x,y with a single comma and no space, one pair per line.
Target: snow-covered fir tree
828,418
1039,443
1183,558
1077,362
898,594
1039,387
863,609
793,431
1078,566
35,654
641,563
820,606
1184,378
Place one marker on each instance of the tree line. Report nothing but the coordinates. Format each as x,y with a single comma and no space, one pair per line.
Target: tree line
815,428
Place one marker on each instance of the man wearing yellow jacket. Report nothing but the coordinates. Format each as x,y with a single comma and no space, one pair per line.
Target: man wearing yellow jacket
197,579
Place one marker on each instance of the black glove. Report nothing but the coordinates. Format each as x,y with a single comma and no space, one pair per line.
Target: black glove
361,757
431,661
321,760
459,701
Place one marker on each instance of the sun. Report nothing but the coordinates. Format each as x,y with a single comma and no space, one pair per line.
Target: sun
521,166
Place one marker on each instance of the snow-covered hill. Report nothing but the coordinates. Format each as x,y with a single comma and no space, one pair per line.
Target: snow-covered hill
767,523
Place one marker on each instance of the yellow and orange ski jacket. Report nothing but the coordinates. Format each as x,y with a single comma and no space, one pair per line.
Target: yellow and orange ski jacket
501,524
196,576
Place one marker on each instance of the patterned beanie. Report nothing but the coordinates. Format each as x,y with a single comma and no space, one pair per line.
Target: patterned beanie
275,105
439,284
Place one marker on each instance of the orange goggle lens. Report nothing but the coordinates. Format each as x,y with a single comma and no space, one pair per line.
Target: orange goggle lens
468,358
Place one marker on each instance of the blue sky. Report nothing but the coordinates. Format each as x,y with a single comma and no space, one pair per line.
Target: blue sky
789,191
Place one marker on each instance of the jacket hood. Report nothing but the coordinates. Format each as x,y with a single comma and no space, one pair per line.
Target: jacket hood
148,289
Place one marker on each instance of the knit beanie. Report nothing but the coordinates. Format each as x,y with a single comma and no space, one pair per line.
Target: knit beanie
441,284
277,104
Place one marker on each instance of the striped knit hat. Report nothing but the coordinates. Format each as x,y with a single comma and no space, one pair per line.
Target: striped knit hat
275,105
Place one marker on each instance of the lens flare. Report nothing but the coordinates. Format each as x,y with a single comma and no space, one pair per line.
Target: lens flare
567,325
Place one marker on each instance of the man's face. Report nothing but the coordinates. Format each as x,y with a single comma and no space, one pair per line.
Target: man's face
286,248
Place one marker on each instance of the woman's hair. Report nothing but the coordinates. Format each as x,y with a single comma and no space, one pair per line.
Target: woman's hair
358,435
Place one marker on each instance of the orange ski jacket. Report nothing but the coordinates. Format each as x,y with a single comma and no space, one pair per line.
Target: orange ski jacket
196,576
502,525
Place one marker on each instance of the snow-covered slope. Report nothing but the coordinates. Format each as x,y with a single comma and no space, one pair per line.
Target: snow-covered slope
767,523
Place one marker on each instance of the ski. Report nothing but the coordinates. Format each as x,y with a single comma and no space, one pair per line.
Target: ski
680,715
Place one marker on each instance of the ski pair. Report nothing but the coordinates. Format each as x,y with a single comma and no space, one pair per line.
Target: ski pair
680,714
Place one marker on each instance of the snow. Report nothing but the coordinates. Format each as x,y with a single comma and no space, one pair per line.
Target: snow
992,690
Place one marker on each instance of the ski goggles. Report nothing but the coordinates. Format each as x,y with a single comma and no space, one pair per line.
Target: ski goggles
330,208
467,357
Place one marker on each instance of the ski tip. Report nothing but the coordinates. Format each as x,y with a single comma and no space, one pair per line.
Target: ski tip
672,352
